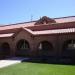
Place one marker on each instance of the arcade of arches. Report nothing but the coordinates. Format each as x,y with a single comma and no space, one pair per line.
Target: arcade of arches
44,48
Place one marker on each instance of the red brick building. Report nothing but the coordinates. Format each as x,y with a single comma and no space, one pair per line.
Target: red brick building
46,36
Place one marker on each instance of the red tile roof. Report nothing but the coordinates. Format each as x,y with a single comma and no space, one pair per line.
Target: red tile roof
55,31
17,25
65,19
6,35
44,32
31,24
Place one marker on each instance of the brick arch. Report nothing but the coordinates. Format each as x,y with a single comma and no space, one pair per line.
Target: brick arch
69,48
69,44
5,49
44,47
22,47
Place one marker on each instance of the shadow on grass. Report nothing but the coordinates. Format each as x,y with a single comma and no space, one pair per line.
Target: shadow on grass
50,60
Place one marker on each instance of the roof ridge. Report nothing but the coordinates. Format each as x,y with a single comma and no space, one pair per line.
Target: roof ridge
16,23
63,17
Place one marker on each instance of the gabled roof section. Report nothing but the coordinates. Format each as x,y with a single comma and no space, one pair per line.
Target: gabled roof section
45,20
36,33
54,31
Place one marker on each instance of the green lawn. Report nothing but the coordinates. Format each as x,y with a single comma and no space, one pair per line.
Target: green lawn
26,68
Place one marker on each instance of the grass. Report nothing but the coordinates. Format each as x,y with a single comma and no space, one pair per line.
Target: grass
27,68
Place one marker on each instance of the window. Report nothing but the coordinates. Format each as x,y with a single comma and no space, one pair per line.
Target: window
23,45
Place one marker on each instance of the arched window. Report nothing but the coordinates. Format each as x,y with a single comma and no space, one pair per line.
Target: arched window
23,45
22,48
5,48
69,45
45,47
69,48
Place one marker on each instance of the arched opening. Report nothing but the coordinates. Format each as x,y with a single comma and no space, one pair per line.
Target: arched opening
22,48
69,48
5,50
45,48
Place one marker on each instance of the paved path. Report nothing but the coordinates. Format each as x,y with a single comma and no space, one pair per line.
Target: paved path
10,61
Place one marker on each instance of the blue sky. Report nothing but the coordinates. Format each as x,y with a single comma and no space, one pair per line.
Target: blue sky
14,11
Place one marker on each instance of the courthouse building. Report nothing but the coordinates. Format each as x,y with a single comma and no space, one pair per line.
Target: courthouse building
53,37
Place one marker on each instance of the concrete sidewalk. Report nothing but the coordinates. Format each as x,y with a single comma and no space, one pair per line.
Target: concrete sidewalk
10,61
